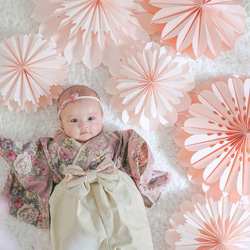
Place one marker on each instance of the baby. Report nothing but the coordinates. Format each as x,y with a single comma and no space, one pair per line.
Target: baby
104,180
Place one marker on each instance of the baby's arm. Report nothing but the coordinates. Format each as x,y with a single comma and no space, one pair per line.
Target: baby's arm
29,181
7,149
143,155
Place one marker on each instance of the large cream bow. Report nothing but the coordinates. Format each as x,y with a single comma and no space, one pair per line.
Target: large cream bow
78,181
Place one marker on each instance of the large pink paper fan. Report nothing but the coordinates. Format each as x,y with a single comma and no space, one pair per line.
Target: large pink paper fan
88,30
215,139
151,87
205,224
31,72
200,27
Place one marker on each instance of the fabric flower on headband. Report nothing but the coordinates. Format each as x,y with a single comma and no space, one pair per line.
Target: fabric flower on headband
203,223
200,27
215,140
151,87
88,30
31,71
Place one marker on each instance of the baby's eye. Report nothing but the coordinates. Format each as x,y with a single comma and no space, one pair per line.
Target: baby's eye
74,120
91,118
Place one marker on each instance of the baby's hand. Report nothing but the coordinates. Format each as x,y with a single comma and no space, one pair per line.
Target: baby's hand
143,155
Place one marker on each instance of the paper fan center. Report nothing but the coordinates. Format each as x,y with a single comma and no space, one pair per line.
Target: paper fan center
22,67
150,82
219,239
246,134
202,2
150,86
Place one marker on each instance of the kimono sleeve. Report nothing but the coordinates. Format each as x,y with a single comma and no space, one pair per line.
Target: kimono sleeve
29,183
150,182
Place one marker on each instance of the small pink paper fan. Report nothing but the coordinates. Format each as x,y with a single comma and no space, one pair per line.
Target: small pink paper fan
204,224
88,30
145,17
200,27
215,140
31,72
151,87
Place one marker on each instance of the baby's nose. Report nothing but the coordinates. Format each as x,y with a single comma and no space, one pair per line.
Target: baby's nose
83,125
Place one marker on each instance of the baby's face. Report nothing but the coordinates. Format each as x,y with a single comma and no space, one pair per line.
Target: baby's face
82,119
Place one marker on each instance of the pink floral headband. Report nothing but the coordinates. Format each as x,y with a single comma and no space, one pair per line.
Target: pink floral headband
61,105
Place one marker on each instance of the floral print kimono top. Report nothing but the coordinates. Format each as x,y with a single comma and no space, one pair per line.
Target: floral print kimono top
40,164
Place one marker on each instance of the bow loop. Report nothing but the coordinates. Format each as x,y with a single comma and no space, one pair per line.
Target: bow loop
78,181
62,104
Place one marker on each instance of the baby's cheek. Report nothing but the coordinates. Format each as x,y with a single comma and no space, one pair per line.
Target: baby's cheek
71,132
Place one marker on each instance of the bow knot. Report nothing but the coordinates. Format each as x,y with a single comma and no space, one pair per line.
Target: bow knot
91,176
78,181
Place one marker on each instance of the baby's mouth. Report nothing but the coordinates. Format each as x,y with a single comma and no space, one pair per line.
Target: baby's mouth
83,133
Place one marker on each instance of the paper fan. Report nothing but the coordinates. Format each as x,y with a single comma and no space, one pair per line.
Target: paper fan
90,30
215,141
31,72
145,17
204,224
200,27
151,87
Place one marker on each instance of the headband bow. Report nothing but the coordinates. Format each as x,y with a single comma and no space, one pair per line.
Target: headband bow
62,104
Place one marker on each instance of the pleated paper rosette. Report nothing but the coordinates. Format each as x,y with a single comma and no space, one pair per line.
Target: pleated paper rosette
151,87
205,224
88,30
200,27
32,72
215,139
146,16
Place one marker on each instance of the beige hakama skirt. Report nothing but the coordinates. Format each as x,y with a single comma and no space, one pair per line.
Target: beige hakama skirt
102,219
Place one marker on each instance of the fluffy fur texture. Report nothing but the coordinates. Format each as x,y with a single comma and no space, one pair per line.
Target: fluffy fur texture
15,17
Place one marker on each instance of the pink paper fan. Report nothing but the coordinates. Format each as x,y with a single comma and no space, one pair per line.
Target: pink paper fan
145,17
151,87
31,72
90,30
200,27
215,140
205,224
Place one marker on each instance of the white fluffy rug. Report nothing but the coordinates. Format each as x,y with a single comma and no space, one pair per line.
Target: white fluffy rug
15,18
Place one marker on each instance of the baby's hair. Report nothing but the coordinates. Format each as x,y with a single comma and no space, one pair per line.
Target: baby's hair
76,92
81,90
